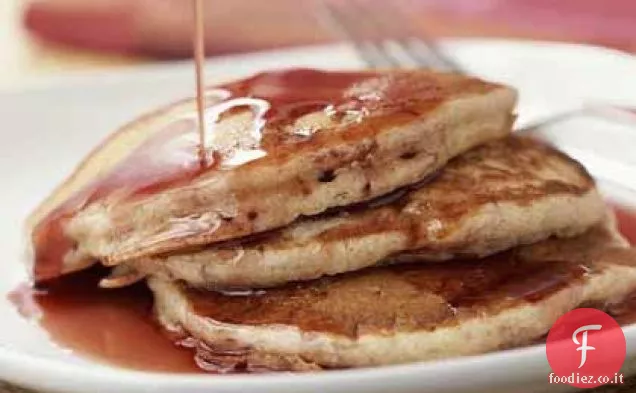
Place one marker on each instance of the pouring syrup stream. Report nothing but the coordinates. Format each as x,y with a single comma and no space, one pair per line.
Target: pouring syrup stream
199,57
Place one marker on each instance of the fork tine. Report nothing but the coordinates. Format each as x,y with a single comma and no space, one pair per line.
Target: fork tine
425,46
349,27
387,38
428,51
420,47
383,35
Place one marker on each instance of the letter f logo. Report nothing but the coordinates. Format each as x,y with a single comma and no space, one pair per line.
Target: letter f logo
583,344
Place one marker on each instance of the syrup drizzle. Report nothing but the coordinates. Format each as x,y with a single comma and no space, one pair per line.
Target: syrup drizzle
199,57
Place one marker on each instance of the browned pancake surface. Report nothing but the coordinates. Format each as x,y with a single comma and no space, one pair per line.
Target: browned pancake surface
281,145
397,314
397,298
509,192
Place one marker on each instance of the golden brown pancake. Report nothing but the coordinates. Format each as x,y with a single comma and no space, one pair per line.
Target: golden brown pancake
281,145
506,193
403,313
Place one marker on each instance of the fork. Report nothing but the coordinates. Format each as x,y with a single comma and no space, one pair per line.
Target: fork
383,37
386,40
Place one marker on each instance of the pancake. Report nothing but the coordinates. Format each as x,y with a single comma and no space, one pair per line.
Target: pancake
506,193
281,145
401,313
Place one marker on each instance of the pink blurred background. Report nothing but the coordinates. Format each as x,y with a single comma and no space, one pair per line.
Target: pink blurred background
61,36
163,27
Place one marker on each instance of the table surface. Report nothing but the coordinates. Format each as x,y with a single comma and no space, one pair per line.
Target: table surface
23,58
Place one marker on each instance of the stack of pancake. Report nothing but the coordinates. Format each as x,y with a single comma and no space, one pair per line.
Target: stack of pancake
341,220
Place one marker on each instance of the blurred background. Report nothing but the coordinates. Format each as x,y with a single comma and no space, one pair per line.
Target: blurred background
45,37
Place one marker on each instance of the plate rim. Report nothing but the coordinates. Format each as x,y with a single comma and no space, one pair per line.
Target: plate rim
104,75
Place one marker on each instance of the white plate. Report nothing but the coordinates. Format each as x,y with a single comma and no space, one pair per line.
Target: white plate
48,126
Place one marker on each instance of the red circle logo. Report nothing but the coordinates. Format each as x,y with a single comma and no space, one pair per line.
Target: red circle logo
586,348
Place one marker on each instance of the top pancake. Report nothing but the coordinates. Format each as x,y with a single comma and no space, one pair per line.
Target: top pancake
281,144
